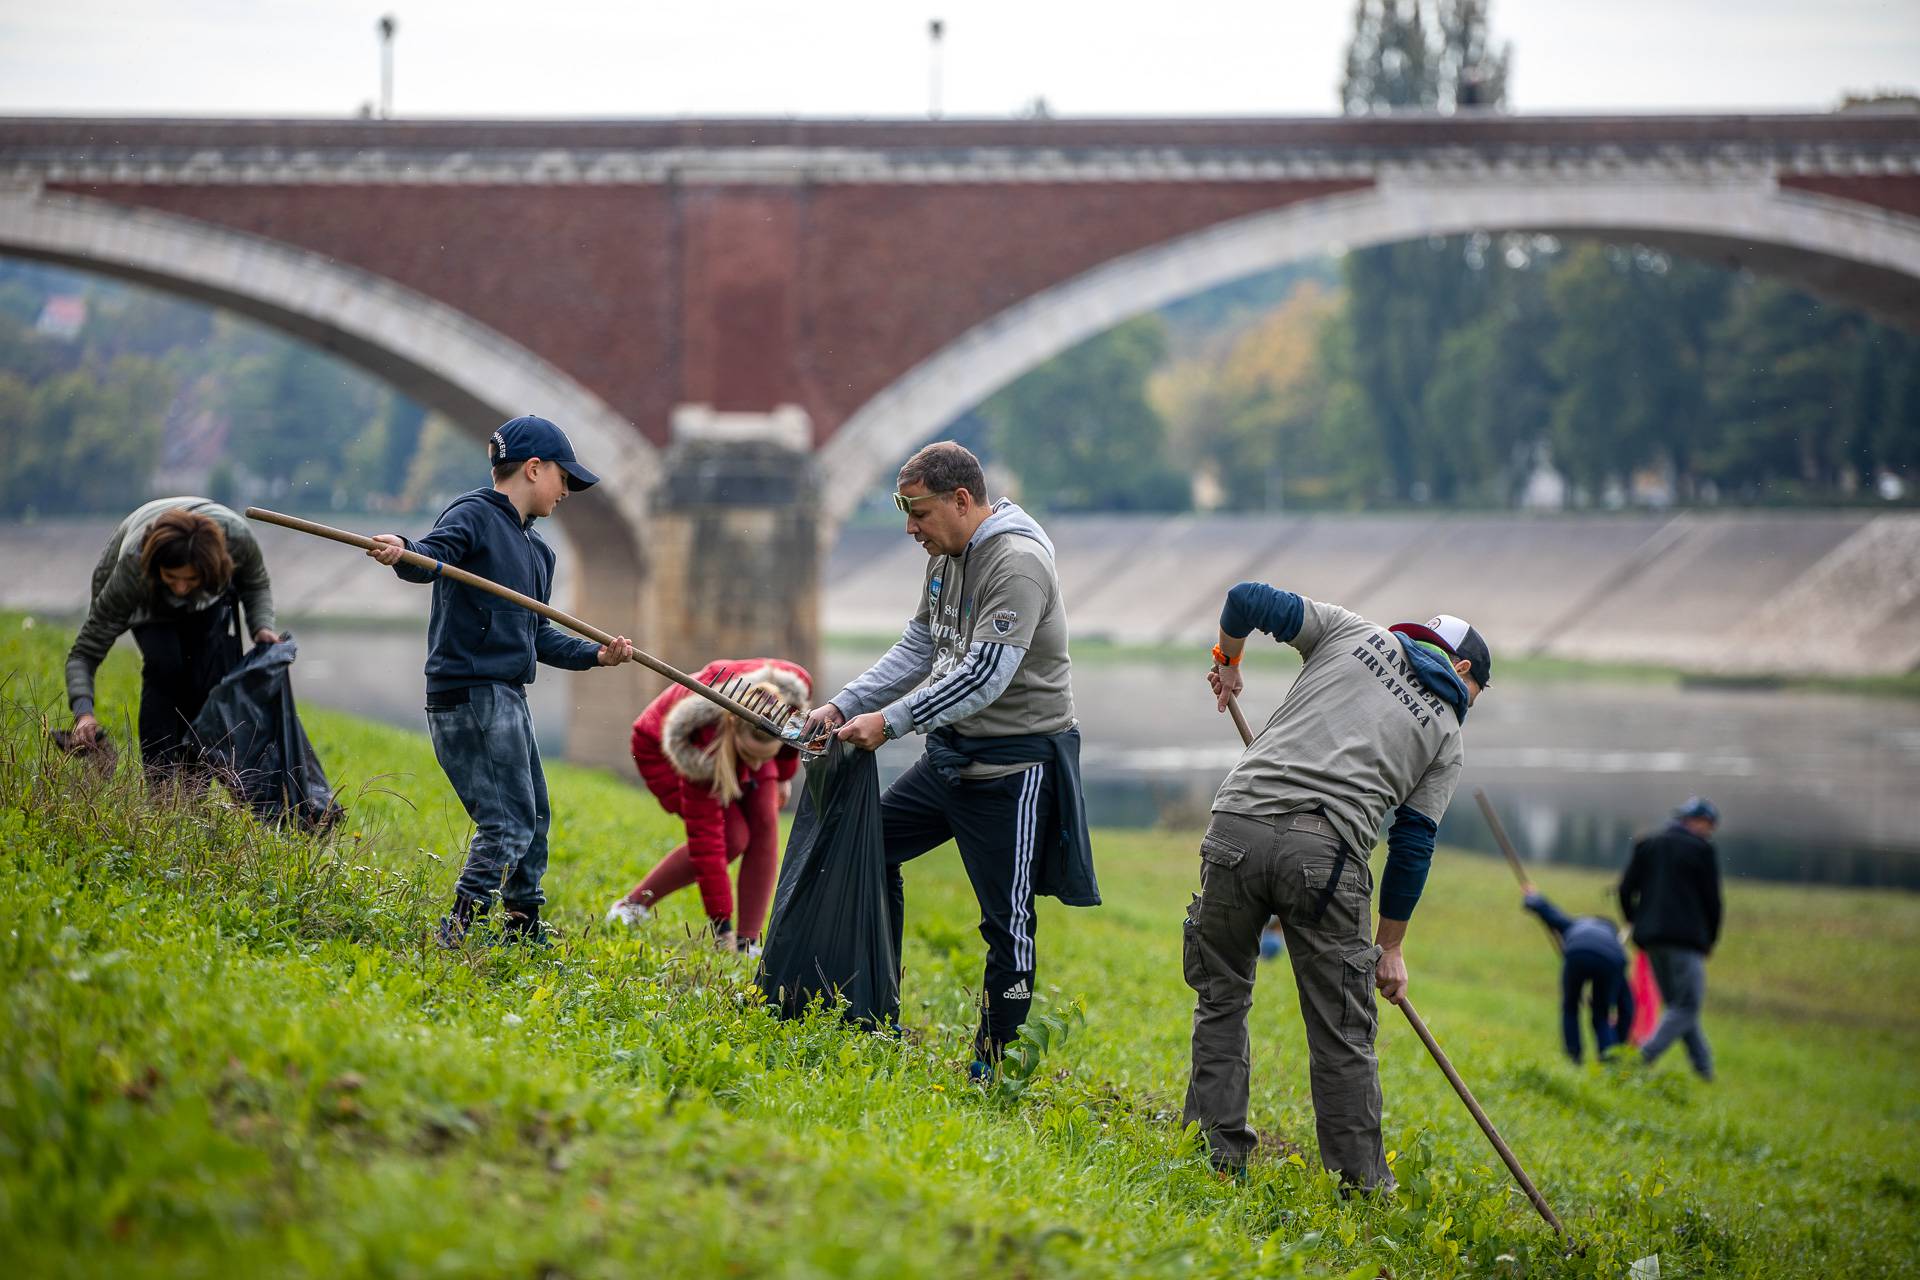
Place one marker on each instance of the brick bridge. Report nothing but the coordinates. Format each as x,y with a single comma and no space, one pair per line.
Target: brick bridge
746,323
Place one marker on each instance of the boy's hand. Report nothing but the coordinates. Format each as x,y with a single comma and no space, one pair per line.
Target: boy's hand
612,655
387,548
266,636
86,730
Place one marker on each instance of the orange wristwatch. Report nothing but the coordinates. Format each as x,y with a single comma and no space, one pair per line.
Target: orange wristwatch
1220,658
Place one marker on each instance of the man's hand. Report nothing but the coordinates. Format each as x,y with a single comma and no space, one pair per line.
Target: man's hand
821,721
1225,683
866,732
1390,975
86,731
387,548
612,655
266,636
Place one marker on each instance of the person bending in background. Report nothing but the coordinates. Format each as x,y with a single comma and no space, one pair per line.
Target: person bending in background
177,573
1593,965
727,782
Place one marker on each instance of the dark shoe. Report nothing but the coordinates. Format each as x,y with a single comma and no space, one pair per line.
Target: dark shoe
523,926
980,1073
454,926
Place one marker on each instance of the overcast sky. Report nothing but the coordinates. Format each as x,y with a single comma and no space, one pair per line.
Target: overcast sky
870,57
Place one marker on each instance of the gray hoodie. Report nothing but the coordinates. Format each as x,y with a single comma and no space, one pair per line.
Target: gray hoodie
991,631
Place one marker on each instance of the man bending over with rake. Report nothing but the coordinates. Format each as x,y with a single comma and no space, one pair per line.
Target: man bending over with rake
1372,722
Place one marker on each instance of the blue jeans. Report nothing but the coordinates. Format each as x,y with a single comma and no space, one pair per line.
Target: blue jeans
486,747
1681,975
1609,999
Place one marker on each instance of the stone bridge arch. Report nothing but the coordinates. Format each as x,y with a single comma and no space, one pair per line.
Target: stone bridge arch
1851,252
441,357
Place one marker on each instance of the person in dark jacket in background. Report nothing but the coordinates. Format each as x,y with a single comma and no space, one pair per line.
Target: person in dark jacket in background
481,655
1593,965
1671,895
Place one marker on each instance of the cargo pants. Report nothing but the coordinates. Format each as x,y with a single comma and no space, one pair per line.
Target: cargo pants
1290,866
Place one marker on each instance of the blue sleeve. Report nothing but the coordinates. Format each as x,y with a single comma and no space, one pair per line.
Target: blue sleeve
1255,606
558,649
1409,854
448,543
1557,920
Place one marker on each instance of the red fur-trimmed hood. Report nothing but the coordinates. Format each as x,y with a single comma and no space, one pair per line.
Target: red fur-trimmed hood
688,730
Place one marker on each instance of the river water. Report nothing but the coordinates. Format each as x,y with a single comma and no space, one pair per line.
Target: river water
1813,787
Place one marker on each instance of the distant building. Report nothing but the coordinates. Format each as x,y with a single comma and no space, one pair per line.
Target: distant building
1546,488
62,317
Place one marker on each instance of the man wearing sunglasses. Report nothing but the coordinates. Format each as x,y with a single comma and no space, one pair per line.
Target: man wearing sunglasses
1001,773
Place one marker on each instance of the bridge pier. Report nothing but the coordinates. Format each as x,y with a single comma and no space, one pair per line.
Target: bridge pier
734,549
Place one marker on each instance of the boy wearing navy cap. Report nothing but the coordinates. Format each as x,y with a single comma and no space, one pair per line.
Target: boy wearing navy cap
482,653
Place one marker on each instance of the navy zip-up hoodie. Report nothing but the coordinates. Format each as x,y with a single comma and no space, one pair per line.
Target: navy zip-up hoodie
477,638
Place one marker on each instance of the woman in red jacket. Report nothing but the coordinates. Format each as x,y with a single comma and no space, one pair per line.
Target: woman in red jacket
727,782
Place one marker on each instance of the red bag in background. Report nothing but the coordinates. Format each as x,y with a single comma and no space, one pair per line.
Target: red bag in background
1646,999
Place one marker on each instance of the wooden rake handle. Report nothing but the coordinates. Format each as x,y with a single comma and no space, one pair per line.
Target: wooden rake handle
1513,857
1480,1116
1439,1056
761,722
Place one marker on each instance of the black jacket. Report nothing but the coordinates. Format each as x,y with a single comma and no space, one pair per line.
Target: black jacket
1671,891
1064,868
477,638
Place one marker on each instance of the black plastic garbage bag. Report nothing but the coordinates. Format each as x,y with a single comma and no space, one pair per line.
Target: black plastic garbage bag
250,733
829,934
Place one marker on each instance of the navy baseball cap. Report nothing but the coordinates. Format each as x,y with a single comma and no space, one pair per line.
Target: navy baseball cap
1698,807
535,437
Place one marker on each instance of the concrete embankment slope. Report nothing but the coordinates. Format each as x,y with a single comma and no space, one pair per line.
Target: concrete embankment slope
1830,593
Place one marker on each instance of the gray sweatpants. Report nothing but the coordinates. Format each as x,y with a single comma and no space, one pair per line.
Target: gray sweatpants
1681,975
1251,868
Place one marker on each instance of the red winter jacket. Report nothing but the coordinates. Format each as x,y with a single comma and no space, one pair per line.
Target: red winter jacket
671,739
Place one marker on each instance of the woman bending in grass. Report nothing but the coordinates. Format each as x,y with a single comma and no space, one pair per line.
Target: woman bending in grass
177,573
725,780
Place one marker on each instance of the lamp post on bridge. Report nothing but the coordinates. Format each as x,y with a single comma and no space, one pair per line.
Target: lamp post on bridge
936,29
387,27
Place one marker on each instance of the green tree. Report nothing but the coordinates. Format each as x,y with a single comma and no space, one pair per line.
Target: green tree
1404,299
90,443
1629,352
1789,391
1080,432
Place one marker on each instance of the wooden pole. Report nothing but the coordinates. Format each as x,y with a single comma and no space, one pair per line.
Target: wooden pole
1513,857
1433,1047
759,721
1480,1116
1239,721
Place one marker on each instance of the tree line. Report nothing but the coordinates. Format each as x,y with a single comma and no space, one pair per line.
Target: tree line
141,389
1460,370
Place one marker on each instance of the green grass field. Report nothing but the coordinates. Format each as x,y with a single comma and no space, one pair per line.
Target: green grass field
230,1051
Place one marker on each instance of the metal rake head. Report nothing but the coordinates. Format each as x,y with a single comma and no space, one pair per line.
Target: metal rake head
784,716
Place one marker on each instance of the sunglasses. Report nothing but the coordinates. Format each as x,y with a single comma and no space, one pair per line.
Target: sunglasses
902,503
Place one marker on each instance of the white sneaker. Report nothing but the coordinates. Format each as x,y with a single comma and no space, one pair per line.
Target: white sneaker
630,914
